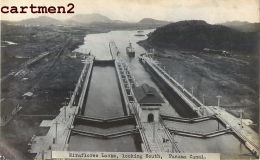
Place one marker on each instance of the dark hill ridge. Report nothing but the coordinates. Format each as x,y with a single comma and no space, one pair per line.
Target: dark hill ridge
196,34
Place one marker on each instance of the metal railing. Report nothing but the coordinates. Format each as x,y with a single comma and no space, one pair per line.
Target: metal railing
131,105
170,136
78,85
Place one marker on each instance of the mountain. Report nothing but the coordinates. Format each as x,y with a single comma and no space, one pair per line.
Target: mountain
197,35
243,26
42,20
75,20
90,18
152,21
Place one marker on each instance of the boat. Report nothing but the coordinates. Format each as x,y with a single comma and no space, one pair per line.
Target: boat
130,50
140,33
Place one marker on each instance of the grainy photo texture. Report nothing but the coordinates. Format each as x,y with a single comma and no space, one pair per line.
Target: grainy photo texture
129,79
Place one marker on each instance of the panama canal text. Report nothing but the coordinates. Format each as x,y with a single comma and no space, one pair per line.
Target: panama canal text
121,155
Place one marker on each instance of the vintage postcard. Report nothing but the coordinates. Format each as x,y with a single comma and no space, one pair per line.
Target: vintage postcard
129,79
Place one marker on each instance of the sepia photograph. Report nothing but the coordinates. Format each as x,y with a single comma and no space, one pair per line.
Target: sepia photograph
130,79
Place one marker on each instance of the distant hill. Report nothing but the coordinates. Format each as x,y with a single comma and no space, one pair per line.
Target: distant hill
243,26
152,21
75,20
90,18
198,35
42,20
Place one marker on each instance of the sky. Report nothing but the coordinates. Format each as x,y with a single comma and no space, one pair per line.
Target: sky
212,11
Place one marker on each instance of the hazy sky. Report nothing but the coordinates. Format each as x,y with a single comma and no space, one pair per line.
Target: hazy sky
213,11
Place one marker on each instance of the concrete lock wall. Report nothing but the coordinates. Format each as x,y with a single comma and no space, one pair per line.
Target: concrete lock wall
174,99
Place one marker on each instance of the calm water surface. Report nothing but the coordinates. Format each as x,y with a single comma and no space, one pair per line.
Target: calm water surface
104,99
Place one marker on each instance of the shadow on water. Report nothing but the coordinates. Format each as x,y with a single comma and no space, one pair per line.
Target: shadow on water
180,106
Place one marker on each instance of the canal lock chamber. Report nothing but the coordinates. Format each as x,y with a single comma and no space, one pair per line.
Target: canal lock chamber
103,123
